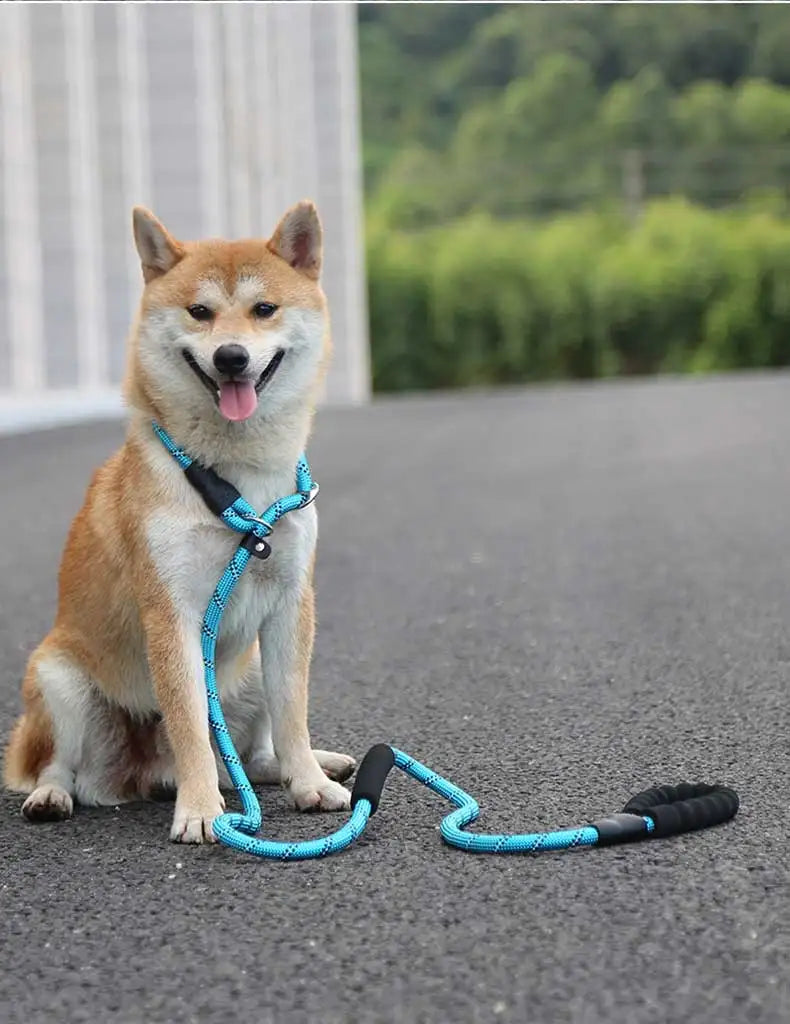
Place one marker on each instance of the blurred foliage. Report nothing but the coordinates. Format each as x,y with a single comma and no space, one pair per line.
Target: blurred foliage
482,301
539,86
505,147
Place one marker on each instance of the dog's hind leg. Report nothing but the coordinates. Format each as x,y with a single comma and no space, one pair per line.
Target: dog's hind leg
45,748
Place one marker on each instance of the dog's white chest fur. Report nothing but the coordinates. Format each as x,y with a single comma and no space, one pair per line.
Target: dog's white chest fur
191,548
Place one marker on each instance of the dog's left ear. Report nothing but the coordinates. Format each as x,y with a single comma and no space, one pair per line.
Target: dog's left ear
298,239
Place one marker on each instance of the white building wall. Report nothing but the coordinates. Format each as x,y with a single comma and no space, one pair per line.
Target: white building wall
217,117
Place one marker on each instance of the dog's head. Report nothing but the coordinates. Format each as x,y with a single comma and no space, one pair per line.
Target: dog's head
230,329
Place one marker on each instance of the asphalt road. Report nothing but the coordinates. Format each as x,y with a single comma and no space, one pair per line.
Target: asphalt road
556,597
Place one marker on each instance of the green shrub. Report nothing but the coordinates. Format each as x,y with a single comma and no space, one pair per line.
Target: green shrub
481,301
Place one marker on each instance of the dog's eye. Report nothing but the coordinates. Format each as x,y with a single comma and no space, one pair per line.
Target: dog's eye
198,312
263,310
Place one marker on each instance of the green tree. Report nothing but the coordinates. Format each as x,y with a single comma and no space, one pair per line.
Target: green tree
771,53
702,115
529,147
635,112
688,41
761,112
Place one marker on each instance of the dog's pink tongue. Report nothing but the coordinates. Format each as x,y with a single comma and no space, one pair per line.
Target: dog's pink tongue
237,399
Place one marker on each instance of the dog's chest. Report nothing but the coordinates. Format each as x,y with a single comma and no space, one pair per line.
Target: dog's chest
191,555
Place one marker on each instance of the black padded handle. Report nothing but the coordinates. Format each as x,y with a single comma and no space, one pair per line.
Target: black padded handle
684,808
372,774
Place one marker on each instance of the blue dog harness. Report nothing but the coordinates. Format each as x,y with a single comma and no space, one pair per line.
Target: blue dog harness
657,812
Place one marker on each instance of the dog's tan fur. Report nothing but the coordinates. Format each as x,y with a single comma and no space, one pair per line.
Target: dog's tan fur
113,700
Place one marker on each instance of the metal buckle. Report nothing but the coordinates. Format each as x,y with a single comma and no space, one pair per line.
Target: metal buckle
257,519
312,494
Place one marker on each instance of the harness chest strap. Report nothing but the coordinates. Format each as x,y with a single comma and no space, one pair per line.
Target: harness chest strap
224,500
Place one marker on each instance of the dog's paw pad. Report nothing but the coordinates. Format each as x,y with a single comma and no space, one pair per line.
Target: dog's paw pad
48,803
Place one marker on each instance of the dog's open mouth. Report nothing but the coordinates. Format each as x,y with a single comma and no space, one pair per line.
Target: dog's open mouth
237,399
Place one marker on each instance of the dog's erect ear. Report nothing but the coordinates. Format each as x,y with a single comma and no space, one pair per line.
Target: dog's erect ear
158,250
298,239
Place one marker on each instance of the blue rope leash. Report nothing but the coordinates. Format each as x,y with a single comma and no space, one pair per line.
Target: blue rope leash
662,811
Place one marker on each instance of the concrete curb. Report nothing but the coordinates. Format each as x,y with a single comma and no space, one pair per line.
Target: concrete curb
42,410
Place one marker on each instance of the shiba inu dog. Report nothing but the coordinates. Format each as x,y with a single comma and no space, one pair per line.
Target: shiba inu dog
227,353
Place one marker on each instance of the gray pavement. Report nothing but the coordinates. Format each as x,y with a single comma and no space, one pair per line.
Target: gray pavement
556,597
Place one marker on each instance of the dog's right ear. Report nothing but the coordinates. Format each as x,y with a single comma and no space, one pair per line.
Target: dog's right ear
157,248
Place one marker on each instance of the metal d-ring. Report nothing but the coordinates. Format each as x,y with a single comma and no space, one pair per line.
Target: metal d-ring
311,495
252,518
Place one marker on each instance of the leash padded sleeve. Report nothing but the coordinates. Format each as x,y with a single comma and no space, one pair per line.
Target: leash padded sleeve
684,808
217,493
372,774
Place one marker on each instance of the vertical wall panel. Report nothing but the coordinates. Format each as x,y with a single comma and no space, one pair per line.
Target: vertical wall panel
338,172
114,207
5,326
173,116
269,116
210,99
24,321
85,198
252,43
135,148
239,128
51,106
296,110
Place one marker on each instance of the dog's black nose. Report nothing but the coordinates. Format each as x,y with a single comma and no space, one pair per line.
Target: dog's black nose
231,359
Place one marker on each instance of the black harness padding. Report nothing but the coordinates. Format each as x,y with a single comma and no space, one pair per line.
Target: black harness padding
217,493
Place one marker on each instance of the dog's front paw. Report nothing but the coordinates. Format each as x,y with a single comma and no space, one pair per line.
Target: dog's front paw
192,820
48,803
323,795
